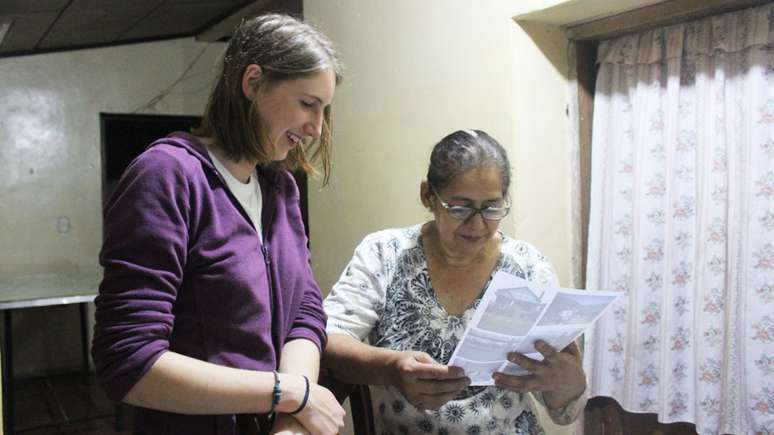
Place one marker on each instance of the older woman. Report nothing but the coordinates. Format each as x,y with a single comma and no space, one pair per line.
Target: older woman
412,291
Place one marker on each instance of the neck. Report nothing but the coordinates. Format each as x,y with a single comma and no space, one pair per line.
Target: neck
241,170
449,259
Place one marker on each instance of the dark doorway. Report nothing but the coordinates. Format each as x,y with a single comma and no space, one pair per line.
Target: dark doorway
126,136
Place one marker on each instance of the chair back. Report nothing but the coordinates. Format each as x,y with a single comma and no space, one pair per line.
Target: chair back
359,401
362,410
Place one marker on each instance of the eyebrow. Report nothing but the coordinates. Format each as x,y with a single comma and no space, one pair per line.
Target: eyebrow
319,100
466,199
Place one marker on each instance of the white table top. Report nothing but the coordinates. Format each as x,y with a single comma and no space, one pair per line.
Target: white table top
40,290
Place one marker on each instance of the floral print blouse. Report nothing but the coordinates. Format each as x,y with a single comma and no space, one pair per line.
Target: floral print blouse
385,295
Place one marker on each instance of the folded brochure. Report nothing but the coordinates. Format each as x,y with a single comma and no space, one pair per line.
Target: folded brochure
513,314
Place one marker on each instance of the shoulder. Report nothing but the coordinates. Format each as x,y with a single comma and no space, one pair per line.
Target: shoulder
163,174
521,250
524,259
163,160
280,182
380,250
284,179
396,238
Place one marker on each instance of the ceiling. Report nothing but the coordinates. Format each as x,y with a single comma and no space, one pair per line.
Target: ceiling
39,26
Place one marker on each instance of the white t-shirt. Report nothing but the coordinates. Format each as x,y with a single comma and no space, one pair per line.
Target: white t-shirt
248,194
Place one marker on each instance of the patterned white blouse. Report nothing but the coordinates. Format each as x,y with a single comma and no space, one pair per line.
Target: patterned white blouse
385,295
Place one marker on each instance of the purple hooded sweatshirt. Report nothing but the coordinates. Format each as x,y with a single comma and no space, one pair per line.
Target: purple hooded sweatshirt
185,271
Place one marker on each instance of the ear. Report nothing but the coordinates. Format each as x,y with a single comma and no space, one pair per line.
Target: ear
249,80
425,195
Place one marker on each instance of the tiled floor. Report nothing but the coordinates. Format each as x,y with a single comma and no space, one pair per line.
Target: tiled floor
68,404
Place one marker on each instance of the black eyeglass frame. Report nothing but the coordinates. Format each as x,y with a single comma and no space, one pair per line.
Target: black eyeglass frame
472,211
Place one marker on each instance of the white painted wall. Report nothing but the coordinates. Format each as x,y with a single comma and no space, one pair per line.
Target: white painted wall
50,164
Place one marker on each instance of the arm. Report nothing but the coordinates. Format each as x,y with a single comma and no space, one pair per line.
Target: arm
355,362
425,383
302,357
310,319
306,337
353,310
177,383
558,382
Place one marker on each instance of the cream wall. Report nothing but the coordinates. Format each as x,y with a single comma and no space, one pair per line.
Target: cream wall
50,135
417,71
50,164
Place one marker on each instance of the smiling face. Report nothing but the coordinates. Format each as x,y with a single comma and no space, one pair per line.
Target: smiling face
478,187
293,110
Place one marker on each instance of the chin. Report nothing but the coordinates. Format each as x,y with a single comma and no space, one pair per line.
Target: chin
280,155
472,241
465,247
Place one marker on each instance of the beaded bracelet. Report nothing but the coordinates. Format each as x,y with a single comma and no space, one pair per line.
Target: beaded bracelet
276,392
306,398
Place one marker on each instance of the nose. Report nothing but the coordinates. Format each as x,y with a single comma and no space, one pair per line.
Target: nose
314,126
477,220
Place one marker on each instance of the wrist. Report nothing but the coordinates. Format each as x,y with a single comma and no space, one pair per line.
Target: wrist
305,399
293,387
556,400
276,392
392,366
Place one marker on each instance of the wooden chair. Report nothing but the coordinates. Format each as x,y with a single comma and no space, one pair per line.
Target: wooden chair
362,410
359,402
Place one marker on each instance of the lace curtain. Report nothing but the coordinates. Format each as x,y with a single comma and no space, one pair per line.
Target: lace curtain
682,222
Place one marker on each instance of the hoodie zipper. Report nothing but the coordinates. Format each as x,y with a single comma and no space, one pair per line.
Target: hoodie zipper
265,247
266,250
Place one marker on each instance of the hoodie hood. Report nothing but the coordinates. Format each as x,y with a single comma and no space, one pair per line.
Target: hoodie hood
195,147
192,144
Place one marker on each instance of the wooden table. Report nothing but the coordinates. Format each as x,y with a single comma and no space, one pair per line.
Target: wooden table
41,290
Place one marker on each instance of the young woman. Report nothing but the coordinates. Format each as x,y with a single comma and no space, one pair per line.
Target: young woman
209,320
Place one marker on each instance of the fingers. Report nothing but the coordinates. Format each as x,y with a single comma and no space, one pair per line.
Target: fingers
528,364
518,383
545,350
322,414
423,357
427,368
444,386
572,349
437,372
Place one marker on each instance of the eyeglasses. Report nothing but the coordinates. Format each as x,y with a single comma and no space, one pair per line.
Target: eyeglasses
463,213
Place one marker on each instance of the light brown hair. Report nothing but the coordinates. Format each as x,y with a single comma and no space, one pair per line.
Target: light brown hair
285,48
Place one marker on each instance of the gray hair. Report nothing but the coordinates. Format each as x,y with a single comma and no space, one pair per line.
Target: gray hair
462,151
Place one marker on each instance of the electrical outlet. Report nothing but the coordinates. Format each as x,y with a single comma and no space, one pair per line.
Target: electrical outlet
63,224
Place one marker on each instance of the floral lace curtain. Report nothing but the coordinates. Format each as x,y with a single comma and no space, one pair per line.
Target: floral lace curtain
682,223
